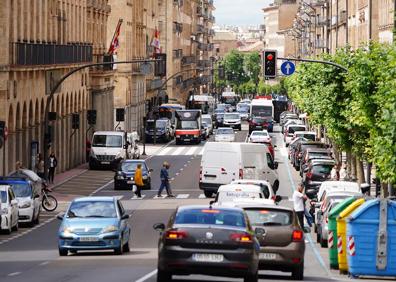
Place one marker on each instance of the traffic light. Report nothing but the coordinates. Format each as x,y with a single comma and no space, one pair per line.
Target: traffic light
270,58
91,117
221,73
120,114
160,66
75,121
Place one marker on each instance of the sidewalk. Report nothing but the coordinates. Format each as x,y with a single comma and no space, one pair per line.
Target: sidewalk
62,177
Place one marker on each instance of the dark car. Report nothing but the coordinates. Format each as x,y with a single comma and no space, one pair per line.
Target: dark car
260,123
313,153
210,241
125,173
219,118
163,132
282,246
315,173
298,152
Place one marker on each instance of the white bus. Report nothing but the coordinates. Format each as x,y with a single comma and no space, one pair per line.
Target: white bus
204,102
261,108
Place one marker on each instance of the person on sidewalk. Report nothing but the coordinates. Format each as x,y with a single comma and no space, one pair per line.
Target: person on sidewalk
343,173
53,163
138,178
298,203
334,173
40,166
164,175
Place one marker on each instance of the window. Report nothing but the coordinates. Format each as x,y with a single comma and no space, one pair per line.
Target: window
22,190
100,209
270,161
3,196
120,208
268,217
114,141
210,216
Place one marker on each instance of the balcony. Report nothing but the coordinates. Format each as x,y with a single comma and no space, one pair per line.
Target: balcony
153,84
322,21
211,18
202,46
320,44
40,54
177,54
203,63
200,29
188,60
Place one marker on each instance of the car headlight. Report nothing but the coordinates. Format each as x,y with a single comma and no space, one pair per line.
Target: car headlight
144,177
67,231
92,154
109,229
120,177
25,205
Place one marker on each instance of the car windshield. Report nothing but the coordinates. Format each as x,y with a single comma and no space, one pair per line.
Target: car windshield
188,124
114,141
262,111
307,136
231,116
92,209
207,120
3,196
259,133
22,190
292,129
210,216
269,217
225,131
258,120
131,166
160,124
230,196
221,107
322,169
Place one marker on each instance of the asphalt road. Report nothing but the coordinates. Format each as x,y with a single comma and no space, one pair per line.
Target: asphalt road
34,256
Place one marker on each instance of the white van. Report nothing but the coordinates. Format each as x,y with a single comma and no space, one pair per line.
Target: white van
337,186
238,192
108,149
224,162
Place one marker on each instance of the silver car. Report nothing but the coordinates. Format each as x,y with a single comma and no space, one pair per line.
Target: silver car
225,134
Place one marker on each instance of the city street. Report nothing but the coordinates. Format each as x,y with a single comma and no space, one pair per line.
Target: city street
34,255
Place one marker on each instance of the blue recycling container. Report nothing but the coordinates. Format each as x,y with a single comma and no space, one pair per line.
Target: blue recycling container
362,240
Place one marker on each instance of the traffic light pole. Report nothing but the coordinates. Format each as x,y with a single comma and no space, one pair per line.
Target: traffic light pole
55,88
315,61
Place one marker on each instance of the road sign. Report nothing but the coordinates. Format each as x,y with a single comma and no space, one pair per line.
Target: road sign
288,68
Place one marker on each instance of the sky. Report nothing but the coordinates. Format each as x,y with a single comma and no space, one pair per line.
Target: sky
240,12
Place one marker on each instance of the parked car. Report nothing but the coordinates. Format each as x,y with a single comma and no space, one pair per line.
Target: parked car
225,134
283,115
288,117
265,185
163,130
282,245
209,122
125,173
317,172
259,136
239,192
204,131
232,120
94,223
292,147
292,122
29,198
309,135
219,119
301,146
312,154
208,240
9,209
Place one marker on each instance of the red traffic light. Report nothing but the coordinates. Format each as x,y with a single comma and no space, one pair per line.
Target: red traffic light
270,57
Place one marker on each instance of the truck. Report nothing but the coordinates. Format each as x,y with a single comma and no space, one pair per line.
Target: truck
188,126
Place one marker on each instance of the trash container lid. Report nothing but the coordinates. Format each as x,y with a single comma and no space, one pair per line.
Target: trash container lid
367,205
340,207
351,208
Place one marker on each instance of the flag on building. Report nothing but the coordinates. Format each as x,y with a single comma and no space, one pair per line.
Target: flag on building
115,42
155,42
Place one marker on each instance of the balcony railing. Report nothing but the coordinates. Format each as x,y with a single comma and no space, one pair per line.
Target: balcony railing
188,60
36,54
322,21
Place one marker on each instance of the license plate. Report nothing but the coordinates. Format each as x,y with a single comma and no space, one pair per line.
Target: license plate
186,139
105,162
258,126
88,239
130,182
267,256
208,257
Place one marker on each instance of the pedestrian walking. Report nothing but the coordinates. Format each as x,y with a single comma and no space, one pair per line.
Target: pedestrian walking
138,178
18,165
334,173
53,163
40,166
343,172
164,175
299,205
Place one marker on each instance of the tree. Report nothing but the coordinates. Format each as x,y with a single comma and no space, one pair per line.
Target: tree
252,65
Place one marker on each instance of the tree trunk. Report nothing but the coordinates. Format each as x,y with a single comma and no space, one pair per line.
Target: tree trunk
349,163
353,168
368,176
360,171
384,191
337,155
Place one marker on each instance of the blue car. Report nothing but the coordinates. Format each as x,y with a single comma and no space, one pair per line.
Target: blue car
94,223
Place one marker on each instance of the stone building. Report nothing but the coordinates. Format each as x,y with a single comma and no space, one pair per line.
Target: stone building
41,41
224,42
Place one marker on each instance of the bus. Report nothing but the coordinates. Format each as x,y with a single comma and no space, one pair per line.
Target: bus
205,103
188,126
264,109
229,98
169,111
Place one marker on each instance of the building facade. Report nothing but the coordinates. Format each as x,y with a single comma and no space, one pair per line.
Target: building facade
224,42
41,42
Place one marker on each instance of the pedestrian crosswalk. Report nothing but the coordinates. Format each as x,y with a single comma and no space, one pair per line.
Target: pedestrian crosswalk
181,151
155,197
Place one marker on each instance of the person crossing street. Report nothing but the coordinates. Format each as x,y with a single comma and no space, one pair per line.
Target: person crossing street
164,175
138,178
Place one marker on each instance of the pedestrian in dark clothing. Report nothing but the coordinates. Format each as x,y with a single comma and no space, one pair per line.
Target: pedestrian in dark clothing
53,163
88,146
164,174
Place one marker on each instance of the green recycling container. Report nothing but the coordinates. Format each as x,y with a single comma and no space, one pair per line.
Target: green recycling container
332,226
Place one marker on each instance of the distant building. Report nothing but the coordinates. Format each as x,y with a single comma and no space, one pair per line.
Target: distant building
224,42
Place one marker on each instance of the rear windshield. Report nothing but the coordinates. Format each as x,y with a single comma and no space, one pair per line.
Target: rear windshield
322,169
207,120
307,136
259,133
292,129
225,131
231,116
232,195
210,216
268,217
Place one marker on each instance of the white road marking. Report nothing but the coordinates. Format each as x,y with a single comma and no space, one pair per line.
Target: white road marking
182,196
147,276
136,198
201,196
178,151
200,152
14,274
192,150
161,197
165,151
44,263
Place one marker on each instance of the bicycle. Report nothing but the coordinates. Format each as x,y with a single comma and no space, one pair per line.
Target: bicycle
49,202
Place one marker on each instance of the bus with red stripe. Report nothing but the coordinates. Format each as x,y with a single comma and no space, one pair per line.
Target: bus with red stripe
188,127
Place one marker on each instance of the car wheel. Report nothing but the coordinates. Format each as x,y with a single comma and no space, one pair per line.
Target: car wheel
63,252
126,248
178,142
323,242
73,252
208,194
16,227
118,251
251,277
163,276
37,220
298,272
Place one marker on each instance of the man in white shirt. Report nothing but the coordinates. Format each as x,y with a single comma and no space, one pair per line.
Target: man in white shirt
298,202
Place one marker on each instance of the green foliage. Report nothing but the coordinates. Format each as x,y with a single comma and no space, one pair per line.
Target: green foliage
356,107
252,65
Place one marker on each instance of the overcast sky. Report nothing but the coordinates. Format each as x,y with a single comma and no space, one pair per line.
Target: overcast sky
240,12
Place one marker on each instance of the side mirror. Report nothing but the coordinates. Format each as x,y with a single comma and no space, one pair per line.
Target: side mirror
276,164
278,198
151,170
259,232
307,229
125,216
60,216
275,146
159,227
14,202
